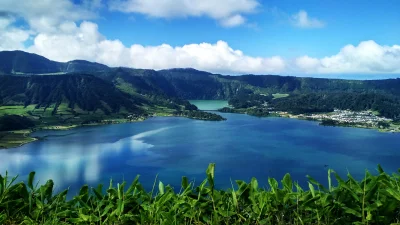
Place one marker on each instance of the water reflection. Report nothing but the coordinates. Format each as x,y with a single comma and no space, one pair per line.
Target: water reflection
65,163
242,147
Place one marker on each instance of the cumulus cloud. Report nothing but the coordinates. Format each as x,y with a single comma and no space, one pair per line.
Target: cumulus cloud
302,20
367,57
85,42
57,35
45,15
229,13
11,38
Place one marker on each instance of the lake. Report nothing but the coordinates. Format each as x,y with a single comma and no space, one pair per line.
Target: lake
242,147
209,104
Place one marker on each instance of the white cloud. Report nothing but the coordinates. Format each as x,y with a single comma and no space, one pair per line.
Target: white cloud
69,42
367,57
61,37
85,42
233,21
229,13
302,20
45,15
11,38
306,63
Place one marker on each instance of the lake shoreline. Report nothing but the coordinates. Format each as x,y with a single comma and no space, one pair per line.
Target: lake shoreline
292,116
23,137
26,138
26,133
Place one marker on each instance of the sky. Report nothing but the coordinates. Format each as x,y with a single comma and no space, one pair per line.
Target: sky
341,38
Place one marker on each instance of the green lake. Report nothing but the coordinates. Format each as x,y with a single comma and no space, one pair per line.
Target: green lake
209,104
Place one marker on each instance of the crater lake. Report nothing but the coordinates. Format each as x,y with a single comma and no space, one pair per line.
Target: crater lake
242,147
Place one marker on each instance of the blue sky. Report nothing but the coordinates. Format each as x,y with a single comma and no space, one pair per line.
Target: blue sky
347,22
348,39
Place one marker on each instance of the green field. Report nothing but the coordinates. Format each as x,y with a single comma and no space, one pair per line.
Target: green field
13,139
278,95
45,118
16,110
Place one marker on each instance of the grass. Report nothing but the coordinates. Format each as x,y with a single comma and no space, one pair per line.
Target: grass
373,200
278,95
12,139
16,110
160,111
65,118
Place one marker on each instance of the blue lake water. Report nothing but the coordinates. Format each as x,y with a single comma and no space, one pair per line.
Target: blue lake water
242,147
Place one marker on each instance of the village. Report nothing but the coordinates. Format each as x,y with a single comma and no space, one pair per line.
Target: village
348,116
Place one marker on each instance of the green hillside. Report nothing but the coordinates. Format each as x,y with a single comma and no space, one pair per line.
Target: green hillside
19,62
83,66
93,87
87,92
190,83
16,62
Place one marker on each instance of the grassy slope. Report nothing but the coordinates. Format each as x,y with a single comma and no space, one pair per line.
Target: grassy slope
45,118
279,95
13,139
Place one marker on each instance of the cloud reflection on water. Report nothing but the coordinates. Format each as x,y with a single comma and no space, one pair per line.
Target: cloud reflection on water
81,161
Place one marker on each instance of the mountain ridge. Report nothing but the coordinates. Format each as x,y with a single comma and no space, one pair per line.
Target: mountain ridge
20,62
189,83
102,67
87,92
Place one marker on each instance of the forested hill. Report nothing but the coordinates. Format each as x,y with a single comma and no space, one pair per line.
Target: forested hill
85,92
190,83
194,84
19,62
211,86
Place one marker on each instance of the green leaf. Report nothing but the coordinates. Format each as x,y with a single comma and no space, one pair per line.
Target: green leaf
210,175
287,182
97,193
234,197
351,211
31,177
329,180
311,189
185,182
273,184
133,185
380,170
394,193
161,188
313,181
120,207
254,184
107,209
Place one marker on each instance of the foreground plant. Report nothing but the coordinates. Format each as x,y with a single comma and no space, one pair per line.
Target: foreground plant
374,200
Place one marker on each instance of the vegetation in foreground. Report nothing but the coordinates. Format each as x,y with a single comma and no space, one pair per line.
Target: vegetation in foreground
374,200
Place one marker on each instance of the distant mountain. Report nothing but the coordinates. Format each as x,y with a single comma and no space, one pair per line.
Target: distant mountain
87,92
15,62
187,83
19,62
83,66
194,84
